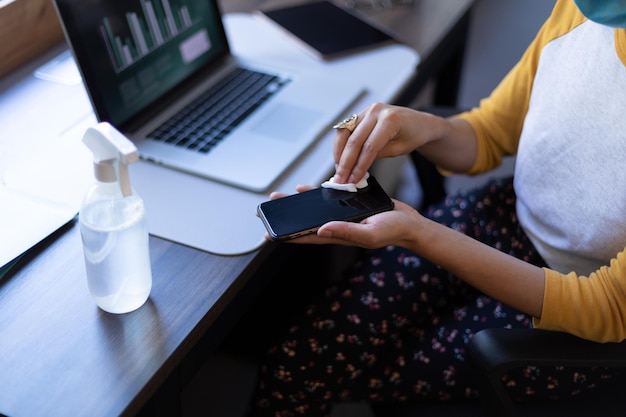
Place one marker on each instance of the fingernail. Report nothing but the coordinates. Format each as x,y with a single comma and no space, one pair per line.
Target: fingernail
324,233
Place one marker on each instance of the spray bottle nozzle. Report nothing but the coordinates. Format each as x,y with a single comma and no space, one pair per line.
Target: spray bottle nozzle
111,148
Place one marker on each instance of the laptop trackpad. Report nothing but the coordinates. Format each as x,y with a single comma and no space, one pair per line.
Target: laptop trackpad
285,120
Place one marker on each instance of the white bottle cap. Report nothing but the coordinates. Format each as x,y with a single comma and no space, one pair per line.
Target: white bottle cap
112,153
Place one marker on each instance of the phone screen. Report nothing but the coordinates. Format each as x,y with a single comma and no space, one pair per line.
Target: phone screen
327,30
300,214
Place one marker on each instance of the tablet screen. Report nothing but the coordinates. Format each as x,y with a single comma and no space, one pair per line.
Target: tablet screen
327,30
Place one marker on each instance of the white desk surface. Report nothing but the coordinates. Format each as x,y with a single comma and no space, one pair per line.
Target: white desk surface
228,224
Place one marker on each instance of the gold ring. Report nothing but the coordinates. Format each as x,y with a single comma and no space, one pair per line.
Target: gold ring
349,123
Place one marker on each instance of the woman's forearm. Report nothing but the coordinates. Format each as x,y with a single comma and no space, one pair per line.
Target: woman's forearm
508,279
453,147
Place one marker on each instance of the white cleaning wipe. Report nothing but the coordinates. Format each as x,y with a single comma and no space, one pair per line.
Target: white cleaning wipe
352,187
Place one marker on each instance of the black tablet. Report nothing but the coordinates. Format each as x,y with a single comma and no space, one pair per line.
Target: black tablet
326,30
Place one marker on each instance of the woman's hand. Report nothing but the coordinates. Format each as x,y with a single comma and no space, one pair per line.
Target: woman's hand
385,130
395,227
382,130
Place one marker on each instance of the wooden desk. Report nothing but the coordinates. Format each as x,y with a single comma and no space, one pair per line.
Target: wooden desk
61,355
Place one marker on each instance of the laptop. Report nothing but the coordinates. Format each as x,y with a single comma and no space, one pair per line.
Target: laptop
158,70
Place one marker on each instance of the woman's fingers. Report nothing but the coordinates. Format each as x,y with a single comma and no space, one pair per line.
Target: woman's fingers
352,153
355,152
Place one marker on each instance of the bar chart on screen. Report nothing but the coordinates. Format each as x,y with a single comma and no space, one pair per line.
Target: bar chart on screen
148,28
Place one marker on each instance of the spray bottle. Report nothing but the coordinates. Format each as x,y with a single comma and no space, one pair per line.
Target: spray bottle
113,226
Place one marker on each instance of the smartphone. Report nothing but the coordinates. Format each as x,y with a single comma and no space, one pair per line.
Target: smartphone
326,30
303,213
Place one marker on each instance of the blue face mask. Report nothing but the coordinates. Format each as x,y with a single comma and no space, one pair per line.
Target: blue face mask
606,12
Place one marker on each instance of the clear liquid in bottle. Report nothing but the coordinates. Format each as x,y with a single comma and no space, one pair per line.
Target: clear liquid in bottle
116,250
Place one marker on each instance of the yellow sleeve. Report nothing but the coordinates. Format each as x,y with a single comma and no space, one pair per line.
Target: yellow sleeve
591,307
498,120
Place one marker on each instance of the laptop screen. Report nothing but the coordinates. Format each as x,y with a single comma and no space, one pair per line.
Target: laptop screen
133,52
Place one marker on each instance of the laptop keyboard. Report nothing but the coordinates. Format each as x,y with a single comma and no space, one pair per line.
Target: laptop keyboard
203,123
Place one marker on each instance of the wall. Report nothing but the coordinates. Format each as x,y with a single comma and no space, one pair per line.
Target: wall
27,29
500,31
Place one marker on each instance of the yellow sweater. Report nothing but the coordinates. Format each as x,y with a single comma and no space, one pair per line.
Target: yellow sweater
571,194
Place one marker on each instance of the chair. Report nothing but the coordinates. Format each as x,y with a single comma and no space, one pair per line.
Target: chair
493,352
496,351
